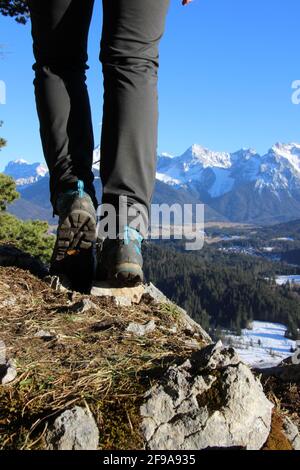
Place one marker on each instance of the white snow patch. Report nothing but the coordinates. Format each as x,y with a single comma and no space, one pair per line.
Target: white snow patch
222,184
166,154
284,239
264,345
20,161
167,179
292,278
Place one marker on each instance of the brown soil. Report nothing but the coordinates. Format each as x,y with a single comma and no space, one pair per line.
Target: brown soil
277,439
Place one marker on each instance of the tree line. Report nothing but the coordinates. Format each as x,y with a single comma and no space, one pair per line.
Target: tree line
221,290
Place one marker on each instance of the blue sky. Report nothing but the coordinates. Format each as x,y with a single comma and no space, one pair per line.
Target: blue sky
226,69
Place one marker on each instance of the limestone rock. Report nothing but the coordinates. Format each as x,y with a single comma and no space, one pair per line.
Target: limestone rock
9,302
187,322
291,432
83,305
74,429
122,301
173,329
45,335
132,294
210,400
192,326
8,372
215,357
139,329
59,284
2,353
154,293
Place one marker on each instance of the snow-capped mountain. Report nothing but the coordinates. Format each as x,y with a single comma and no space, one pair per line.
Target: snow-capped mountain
25,173
280,169
241,187
193,165
218,173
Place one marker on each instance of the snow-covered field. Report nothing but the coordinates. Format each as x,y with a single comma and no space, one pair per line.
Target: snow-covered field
262,346
293,279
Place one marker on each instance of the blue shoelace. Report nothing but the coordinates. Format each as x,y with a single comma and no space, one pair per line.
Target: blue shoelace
131,234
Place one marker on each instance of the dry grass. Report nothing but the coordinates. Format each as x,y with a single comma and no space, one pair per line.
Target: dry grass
286,399
284,395
102,367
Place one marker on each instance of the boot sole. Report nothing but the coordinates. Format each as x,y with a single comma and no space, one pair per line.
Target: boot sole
76,232
122,275
74,250
128,274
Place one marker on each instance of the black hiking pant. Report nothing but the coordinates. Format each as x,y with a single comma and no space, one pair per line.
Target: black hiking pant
131,32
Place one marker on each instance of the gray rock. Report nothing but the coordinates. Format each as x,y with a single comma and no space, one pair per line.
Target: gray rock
84,305
59,284
210,400
2,353
154,293
45,335
8,372
291,432
9,302
74,429
187,322
173,329
132,294
141,330
122,301
148,427
215,356
193,327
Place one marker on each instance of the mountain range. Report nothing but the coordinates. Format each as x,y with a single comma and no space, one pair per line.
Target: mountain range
240,187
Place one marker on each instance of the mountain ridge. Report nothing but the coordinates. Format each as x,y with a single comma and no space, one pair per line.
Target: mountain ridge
241,186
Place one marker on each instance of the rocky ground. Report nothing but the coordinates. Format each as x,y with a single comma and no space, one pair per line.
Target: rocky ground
126,370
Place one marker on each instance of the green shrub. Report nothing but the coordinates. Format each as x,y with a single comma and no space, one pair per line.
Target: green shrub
30,236
8,191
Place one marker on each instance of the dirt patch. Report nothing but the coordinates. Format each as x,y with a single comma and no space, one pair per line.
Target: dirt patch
277,439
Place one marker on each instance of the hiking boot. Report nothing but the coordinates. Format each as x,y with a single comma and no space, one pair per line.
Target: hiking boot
120,260
73,254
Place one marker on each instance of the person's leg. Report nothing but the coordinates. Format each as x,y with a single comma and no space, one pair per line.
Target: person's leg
131,33
60,32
